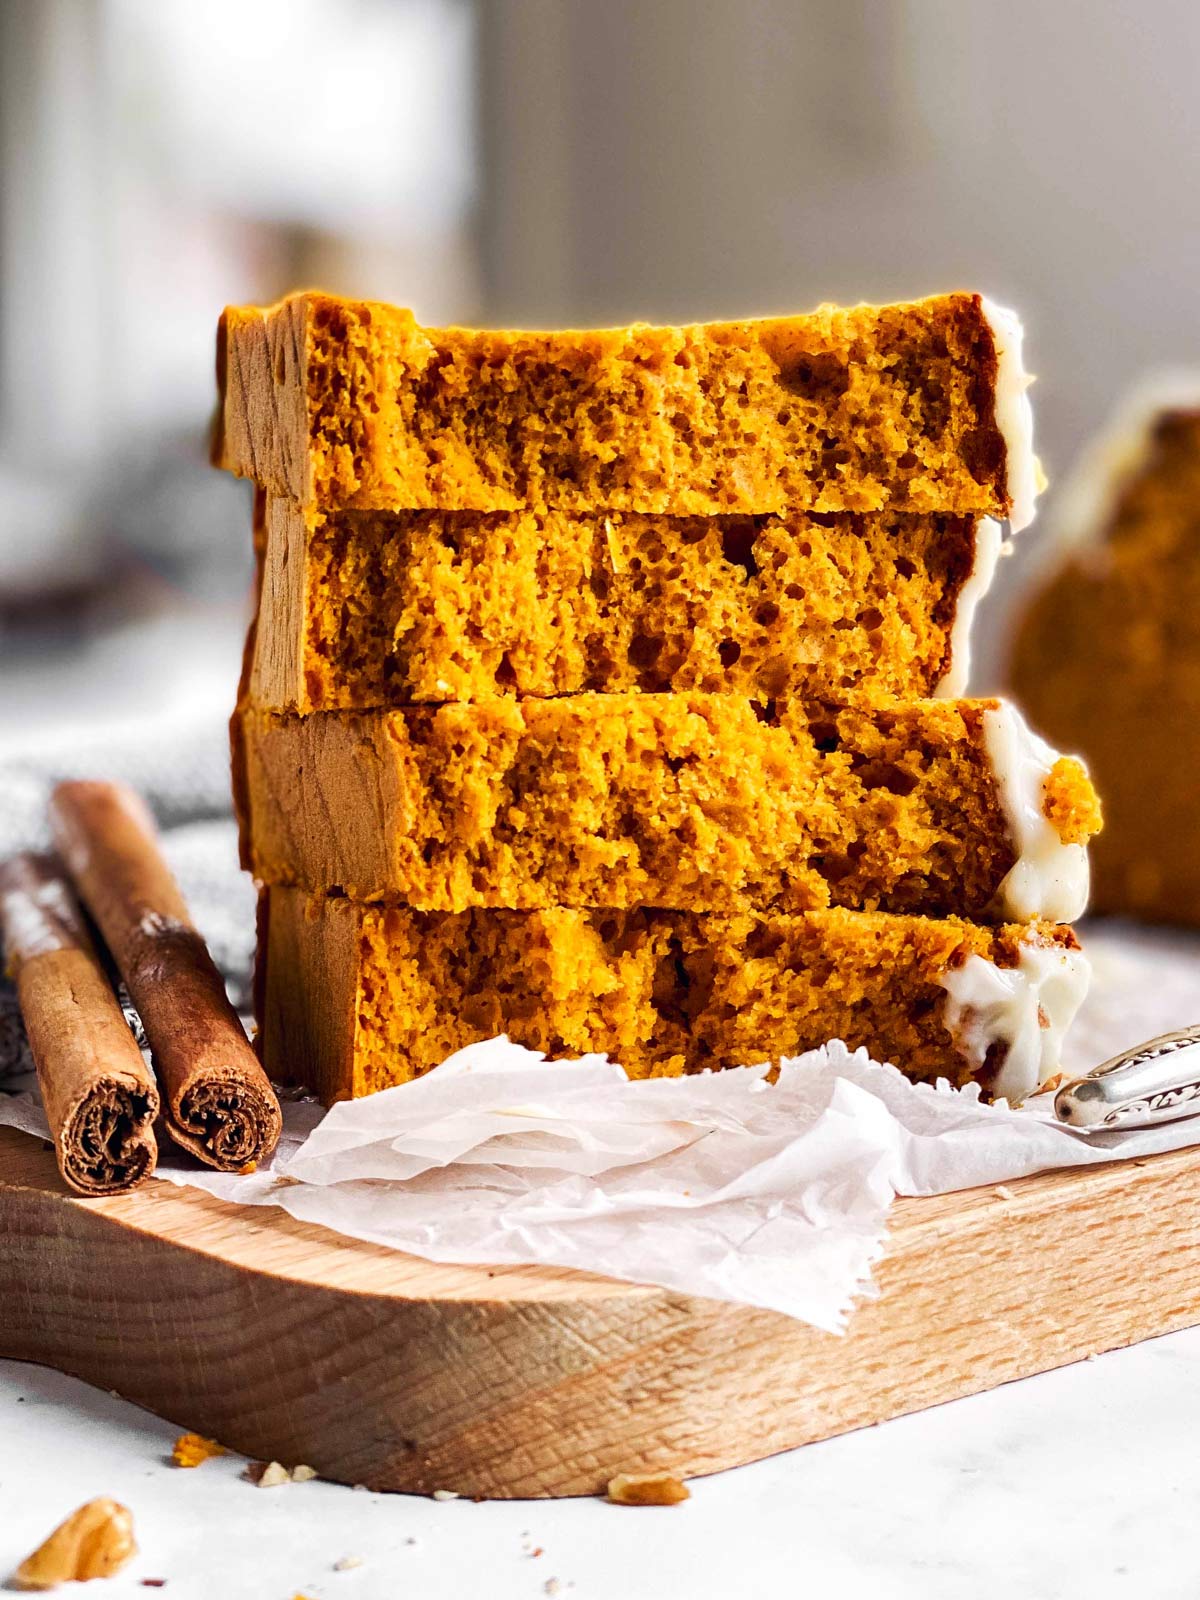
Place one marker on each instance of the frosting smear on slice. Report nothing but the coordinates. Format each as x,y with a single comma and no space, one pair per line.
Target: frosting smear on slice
989,546
1049,878
1027,1009
1014,414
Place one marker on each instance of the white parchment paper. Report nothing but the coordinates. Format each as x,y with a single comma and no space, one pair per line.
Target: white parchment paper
720,1185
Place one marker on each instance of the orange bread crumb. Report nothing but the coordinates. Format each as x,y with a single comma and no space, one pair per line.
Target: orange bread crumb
350,403
192,1450
1070,802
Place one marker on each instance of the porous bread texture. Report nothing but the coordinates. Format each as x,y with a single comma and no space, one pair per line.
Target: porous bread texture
365,609
358,998
343,403
688,801
1107,659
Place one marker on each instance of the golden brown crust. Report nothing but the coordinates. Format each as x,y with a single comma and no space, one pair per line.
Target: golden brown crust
306,991
240,786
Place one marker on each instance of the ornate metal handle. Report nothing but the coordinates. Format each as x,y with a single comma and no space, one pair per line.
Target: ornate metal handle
1158,1081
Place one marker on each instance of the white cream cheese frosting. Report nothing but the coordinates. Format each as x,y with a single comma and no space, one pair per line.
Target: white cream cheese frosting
989,547
1048,879
1014,414
1027,1008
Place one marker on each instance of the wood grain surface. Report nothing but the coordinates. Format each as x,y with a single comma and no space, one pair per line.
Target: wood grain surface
262,380
289,1342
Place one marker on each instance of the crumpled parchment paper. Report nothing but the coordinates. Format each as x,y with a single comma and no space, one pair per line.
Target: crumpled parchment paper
721,1185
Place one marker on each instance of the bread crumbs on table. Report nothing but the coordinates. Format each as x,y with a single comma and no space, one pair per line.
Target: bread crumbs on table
273,1474
191,1449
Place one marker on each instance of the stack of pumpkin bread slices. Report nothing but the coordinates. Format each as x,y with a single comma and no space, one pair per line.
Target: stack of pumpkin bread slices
602,694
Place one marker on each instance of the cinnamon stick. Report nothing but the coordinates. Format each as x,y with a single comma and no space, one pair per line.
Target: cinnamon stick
218,1101
99,1095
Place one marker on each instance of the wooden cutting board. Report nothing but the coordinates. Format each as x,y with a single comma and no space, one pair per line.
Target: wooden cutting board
290,1343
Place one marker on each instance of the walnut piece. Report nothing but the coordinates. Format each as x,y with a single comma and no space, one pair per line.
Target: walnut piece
93,1542
191,1449
647,1489
271,1474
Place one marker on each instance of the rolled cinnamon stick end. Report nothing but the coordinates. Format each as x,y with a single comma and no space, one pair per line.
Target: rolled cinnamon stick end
99,1095
219,1103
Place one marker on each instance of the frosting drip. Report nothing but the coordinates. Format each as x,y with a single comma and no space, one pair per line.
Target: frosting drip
1027,1008
1049,878
1014,414
989,546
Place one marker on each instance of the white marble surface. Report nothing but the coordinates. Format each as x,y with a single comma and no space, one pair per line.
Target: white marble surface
1080,1482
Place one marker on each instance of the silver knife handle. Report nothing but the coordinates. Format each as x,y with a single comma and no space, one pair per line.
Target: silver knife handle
1158,1081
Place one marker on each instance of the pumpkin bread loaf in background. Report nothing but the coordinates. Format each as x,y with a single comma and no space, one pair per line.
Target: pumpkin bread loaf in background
1107,655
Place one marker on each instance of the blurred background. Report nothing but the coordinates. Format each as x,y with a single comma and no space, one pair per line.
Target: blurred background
537,161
